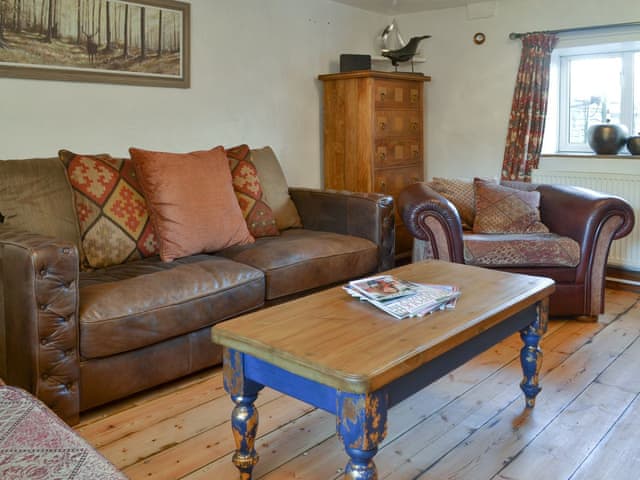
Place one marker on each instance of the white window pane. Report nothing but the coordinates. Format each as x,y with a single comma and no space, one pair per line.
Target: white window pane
594,94
636,94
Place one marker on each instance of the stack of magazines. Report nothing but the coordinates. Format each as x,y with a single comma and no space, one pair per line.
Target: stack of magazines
401,298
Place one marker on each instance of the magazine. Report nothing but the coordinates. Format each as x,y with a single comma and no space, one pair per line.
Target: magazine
402,298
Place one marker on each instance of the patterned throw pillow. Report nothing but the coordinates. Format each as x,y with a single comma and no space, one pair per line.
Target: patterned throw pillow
460,193
111,209
502,209
246,184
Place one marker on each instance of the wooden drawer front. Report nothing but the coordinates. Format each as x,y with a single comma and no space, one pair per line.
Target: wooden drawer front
396,94
391,153
393,180
397,123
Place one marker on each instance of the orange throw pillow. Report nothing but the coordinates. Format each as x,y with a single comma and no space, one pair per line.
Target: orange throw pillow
191,201
258,215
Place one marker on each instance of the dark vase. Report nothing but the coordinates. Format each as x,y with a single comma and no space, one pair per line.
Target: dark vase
633,144
607,138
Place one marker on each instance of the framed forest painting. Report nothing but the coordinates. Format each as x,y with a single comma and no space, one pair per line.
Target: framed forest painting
138,42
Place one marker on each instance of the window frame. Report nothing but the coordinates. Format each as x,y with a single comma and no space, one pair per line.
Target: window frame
561,58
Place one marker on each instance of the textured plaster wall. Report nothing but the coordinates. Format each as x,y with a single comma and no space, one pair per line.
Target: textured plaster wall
254,69
469,97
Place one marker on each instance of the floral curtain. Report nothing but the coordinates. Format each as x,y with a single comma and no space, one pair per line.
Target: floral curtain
529,107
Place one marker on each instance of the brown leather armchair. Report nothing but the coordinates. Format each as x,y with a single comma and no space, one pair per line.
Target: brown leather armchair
591,219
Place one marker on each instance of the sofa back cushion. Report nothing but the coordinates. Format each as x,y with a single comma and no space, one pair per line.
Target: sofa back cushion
191,201
259,217
501,209
111,210
35,196
460,193
275,188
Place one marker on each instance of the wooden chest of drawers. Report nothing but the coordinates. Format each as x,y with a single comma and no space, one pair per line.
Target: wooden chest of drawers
373,135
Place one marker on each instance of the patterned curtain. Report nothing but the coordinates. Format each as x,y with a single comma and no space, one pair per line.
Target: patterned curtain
529,107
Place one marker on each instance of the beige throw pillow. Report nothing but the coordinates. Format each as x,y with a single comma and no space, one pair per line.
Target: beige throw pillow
275,188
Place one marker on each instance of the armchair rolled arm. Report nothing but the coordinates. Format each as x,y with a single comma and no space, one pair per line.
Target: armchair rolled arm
581,213
366,215
432,218
40,310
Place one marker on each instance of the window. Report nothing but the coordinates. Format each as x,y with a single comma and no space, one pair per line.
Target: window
590,85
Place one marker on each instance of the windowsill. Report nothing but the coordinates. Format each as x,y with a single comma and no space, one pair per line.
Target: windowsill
590,162
626,156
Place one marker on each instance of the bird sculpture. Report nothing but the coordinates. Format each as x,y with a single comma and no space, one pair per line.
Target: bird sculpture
405,53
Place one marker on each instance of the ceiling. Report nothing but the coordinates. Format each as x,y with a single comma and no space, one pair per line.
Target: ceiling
398,7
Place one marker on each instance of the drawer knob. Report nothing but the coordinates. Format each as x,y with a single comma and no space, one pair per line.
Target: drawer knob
383,156
382,96
383,125
414,98
416,154
414,125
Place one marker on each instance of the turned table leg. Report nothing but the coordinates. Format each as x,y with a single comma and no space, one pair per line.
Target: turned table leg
531,355
362,425
244,418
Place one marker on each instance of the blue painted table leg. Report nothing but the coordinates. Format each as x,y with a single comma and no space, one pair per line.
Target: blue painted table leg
244,419
362,425
531,355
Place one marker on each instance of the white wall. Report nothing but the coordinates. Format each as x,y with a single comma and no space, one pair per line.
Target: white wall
254,74
469,97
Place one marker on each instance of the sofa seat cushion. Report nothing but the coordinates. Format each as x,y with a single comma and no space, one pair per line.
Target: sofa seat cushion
512,250
301,259
141,303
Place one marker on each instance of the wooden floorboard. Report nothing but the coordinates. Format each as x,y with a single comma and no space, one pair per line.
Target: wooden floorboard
470,424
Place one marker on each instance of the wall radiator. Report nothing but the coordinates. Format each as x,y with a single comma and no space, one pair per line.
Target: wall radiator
624,253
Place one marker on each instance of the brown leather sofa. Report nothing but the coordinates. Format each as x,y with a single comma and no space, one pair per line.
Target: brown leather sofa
572,214
78,339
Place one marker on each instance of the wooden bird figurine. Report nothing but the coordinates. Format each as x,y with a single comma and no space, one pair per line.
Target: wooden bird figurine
405,53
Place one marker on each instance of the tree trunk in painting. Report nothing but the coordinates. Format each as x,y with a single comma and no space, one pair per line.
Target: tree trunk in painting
160,34
143,46
78,26
2,39
126,31
50,22
109,47
18,7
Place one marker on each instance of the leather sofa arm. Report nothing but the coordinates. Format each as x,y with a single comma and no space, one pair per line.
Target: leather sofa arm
432,218
581,213
40,309
366,215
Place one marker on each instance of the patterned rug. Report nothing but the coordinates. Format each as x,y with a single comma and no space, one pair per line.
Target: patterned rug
36,444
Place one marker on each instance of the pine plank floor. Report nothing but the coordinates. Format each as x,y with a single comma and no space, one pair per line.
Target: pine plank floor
469,425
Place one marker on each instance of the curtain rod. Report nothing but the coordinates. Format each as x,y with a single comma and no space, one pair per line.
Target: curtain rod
514,36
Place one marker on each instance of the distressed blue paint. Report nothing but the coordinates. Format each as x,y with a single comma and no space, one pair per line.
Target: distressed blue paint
362,425
244,423
424,375
244,418
362,418
531,354
309,391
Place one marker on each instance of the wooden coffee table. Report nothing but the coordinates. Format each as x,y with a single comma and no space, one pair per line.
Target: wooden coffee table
354,361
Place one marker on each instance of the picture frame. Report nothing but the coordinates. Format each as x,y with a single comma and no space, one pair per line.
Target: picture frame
131,42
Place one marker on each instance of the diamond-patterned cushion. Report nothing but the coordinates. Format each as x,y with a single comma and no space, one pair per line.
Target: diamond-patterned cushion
502,209
521,249
36,444
460,193
111,209
246,184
